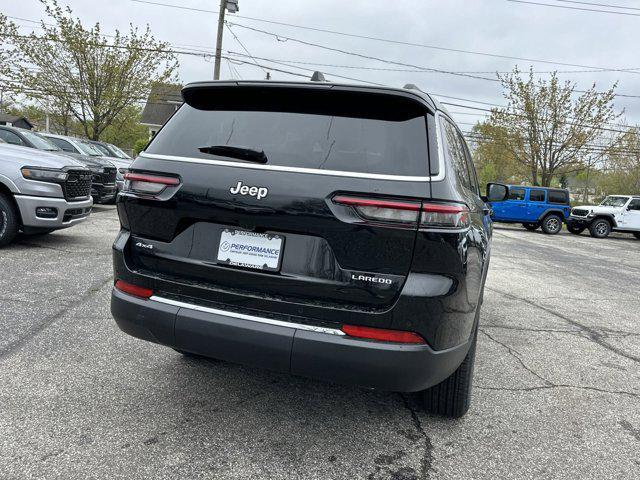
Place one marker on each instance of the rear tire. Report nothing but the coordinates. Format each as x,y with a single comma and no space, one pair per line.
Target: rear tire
452,397
600,228
637,235
575,230
552,224
530,226
9,220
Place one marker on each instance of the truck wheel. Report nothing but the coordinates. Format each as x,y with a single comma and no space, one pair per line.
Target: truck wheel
637,235
452,396
9,220
575,230
600,228
552,224
530,226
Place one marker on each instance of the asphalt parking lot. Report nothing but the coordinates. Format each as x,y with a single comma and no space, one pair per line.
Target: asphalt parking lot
557,383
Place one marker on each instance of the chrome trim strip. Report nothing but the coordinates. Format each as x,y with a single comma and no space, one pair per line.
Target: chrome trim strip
441,166
280,168
251,318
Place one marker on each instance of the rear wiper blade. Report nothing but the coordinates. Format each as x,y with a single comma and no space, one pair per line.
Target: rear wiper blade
241,153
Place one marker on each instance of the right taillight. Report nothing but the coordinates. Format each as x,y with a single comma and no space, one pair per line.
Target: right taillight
444,215
381,210
408,213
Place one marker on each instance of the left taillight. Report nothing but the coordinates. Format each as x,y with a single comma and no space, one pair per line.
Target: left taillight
146,184
429,215
135,290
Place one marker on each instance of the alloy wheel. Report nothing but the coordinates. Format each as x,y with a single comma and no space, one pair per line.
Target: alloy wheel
553,224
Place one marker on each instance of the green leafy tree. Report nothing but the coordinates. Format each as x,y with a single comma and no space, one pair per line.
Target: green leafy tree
492,156
546,127
126,129
81,74
621,174
8,31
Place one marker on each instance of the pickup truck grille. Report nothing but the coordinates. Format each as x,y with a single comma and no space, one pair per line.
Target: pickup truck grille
108,177
579,212
77,186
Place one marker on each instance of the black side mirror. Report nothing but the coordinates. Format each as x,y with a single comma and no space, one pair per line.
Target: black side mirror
496,192
484,198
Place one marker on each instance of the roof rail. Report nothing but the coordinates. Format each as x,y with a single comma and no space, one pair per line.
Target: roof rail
318,77
411,86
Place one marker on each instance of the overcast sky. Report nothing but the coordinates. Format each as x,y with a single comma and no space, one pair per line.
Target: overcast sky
497,27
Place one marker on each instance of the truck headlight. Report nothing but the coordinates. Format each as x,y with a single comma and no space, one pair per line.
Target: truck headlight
591,214
44,174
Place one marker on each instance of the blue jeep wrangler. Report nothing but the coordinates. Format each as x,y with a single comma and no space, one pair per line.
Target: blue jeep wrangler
533,207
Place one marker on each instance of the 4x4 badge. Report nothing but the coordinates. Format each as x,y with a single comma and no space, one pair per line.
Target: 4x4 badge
258,192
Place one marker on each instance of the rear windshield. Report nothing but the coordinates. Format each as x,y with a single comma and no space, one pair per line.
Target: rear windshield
394,144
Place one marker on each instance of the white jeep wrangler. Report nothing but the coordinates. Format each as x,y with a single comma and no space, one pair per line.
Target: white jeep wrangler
619,213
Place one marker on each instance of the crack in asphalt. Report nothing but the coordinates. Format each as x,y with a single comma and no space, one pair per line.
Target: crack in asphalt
517,355
605,332
558,385
49,319
427,457
590,332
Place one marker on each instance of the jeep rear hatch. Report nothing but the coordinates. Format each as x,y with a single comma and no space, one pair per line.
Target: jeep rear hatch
327,218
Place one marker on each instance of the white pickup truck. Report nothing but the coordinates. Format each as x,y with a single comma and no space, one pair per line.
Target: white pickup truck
40,192
620,213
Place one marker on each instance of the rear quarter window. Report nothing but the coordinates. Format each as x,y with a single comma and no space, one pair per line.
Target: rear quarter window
556,196
309,134
458,156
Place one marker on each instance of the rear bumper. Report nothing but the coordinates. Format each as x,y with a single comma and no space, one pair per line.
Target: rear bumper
68,213
322,353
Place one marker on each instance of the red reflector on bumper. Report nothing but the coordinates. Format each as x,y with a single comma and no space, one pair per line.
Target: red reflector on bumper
383,335
134,290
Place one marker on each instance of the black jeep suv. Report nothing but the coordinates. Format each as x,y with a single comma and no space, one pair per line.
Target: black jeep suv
326,230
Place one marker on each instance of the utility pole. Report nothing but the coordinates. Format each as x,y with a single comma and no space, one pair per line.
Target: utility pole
232,6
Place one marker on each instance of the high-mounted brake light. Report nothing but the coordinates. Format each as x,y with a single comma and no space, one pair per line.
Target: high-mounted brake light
383,335
135,290
148,184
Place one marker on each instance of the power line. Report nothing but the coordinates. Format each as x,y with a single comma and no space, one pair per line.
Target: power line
575,8
242,45
394,41
283,38
622,7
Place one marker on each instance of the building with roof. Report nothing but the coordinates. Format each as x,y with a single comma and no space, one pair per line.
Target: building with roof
162,102
15,121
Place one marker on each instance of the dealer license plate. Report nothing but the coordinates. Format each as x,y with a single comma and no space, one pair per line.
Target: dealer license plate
260,251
